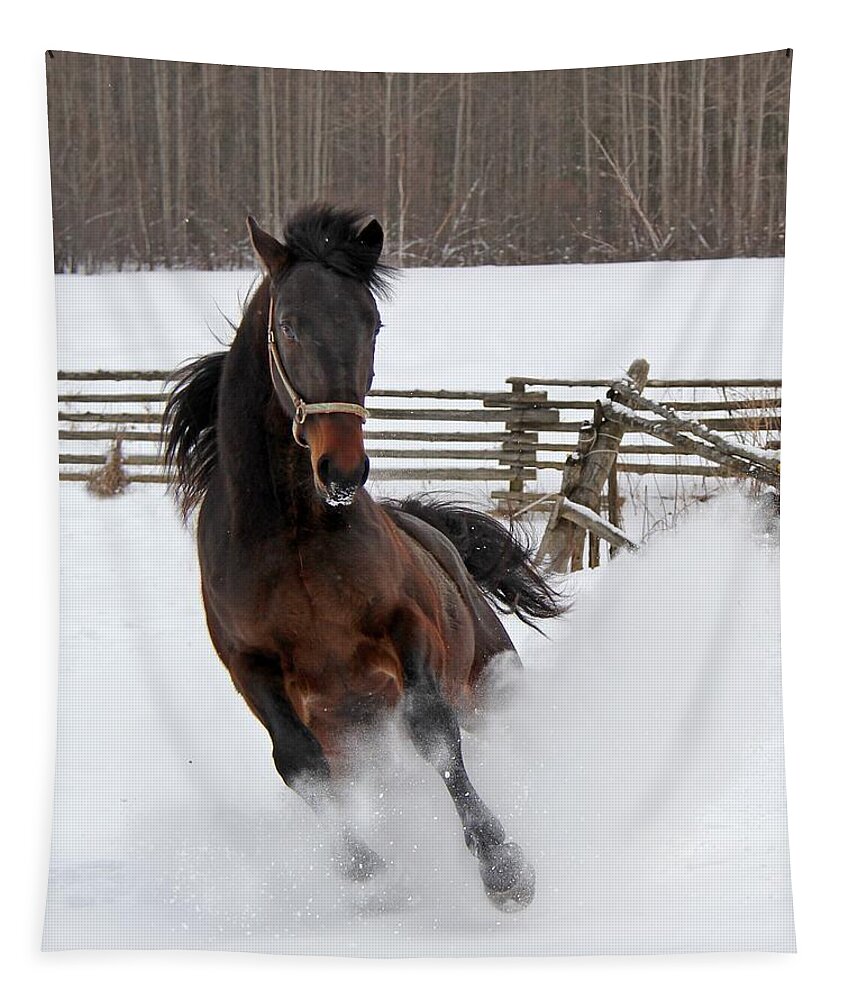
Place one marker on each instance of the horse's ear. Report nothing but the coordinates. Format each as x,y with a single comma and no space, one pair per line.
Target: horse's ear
271,254
371,235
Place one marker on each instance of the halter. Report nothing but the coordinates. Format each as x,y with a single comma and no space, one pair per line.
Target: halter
302,409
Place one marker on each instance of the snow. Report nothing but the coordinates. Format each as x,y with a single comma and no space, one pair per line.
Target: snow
639,763
638,760
466,327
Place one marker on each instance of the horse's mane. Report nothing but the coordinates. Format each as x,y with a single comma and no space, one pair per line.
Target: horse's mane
321,234
189,429
327,235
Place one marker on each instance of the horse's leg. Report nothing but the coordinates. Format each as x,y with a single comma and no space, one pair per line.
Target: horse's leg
299,758
433,726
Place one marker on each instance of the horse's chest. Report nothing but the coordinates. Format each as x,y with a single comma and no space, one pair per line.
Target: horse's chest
331,592
336,676
338,667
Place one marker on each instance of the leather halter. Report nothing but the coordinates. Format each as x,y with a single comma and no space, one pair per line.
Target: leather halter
302,409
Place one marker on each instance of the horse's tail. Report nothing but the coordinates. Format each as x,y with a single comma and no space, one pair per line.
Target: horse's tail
497,558
189,428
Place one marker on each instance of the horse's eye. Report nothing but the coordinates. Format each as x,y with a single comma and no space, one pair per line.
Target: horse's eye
287,331
377,329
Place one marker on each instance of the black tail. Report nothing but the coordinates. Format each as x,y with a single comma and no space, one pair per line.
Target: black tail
497,559
189,429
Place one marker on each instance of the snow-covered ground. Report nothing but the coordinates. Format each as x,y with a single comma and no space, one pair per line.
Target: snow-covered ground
639,762
466,327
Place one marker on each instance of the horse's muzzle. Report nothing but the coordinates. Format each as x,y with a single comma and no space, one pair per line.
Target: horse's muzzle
338,457
336,486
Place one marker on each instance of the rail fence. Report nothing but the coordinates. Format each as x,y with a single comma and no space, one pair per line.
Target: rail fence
513,441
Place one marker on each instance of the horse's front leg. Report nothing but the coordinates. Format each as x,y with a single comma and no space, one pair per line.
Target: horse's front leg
508,879
299,758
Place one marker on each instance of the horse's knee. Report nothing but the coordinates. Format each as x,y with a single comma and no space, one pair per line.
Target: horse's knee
300,769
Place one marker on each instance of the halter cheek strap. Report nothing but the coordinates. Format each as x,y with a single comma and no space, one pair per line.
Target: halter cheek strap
302,410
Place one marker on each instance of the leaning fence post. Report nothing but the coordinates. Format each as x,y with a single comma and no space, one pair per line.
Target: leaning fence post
554,544
585,476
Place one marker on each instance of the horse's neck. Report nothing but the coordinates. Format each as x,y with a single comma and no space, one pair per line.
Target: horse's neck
290,472
269,477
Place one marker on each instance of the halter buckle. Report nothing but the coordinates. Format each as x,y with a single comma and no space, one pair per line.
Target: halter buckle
300,412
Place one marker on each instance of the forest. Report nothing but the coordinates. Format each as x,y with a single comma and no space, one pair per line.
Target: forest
155,164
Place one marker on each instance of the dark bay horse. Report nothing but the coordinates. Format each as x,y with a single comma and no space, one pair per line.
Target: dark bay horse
327,607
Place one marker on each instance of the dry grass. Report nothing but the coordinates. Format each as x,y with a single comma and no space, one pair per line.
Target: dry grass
755,434
110,479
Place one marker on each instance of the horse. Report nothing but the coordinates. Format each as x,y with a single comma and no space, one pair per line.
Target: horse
331,609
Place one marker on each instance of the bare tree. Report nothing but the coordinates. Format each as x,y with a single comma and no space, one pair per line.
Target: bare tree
156,163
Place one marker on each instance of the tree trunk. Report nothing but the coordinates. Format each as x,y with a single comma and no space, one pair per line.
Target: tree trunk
132,156
160,72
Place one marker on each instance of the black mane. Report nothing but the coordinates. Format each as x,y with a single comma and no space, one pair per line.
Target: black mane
189,429
327,235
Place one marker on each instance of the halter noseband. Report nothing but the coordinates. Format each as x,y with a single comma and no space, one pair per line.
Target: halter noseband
302,409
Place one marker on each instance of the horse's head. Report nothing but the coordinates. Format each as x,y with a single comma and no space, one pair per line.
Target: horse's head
322,325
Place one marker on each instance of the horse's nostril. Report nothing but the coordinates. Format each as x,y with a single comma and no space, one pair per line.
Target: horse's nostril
330,476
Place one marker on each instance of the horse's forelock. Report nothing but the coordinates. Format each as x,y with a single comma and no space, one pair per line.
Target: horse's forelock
327,235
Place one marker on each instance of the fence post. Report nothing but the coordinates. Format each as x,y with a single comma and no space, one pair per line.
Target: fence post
517,438
614,502
555,543
583,483
521,443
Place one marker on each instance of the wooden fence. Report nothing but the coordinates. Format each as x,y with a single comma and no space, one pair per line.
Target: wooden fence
512,440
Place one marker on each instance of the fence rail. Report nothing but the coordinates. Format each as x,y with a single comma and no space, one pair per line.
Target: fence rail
512,440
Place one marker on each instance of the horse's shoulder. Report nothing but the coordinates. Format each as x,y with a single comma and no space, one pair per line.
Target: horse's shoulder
427,537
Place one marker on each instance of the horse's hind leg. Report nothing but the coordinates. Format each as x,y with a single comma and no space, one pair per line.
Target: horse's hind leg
508,879
299,758
497,669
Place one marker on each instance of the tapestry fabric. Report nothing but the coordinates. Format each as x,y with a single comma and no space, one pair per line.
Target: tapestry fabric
419,461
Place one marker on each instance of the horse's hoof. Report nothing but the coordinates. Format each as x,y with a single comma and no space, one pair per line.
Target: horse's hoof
509,880
357,862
